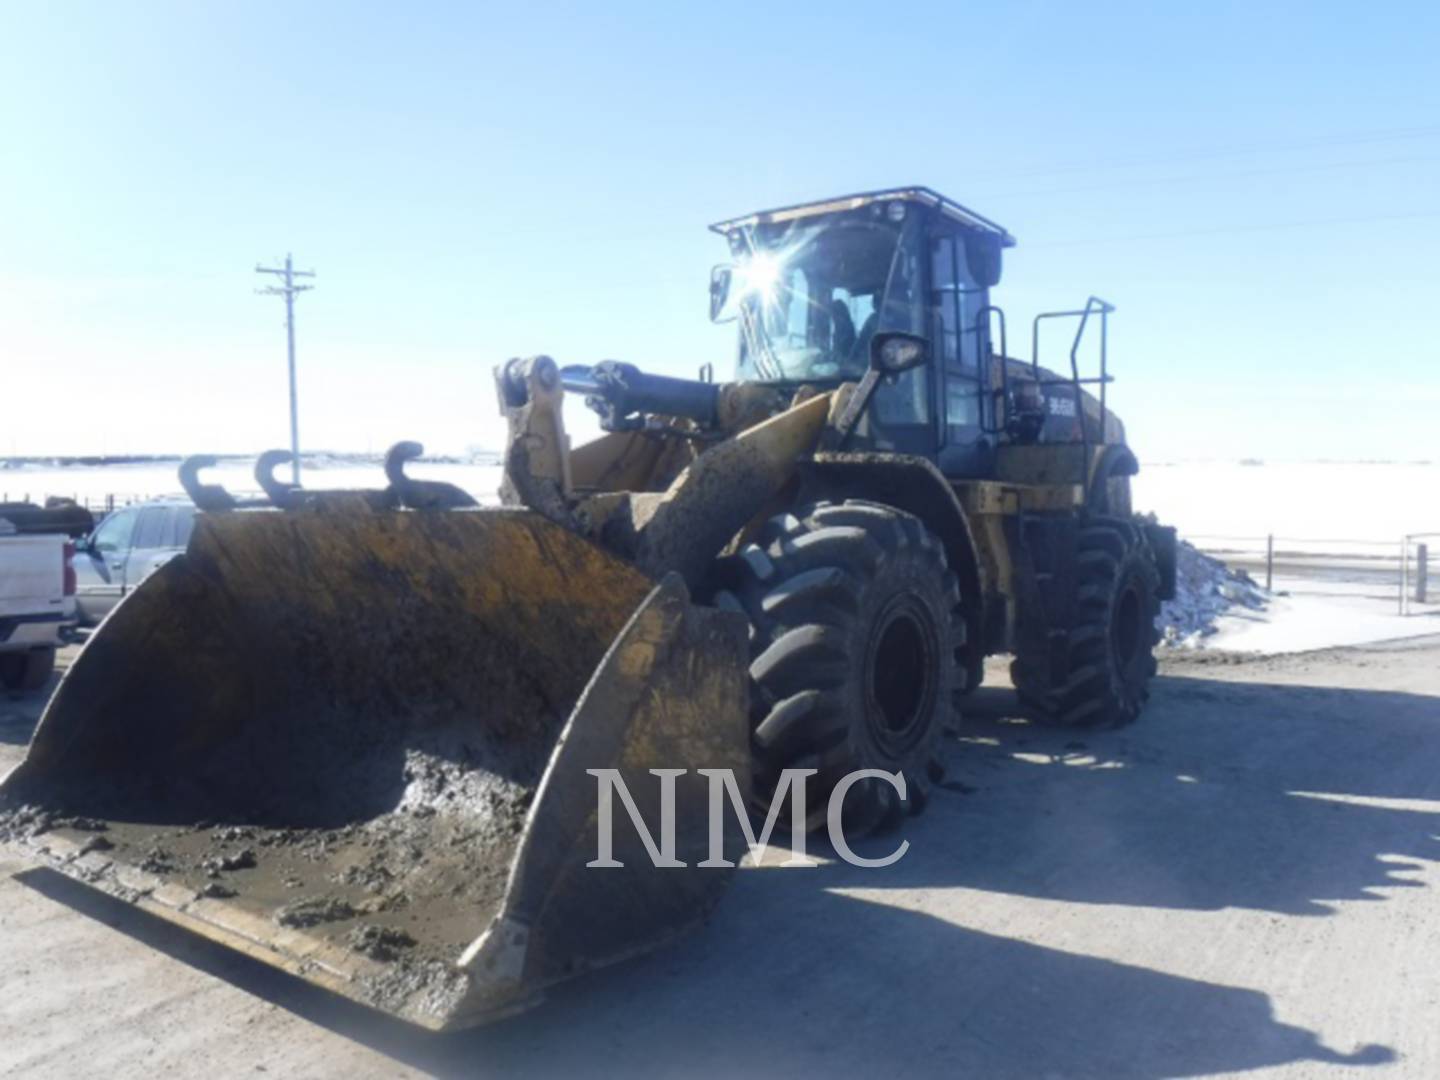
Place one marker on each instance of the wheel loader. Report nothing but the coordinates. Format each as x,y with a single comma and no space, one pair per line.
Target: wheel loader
356,734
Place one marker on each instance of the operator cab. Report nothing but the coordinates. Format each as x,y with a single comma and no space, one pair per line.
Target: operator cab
811,285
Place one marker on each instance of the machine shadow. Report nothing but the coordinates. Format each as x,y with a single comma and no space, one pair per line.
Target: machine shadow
1270,797
793,979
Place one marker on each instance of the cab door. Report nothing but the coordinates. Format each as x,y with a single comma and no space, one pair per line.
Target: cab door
959,341
153,531
100,567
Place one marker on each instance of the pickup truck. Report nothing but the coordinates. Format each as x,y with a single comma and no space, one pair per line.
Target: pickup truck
37,604
126,548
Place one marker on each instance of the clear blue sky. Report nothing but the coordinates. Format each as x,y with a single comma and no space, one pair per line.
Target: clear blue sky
475,182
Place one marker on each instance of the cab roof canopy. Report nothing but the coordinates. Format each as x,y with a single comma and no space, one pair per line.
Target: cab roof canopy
923,195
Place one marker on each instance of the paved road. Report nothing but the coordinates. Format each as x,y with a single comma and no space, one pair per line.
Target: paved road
1245,882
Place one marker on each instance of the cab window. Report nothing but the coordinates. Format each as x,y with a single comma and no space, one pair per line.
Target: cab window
903,401
115,531
955,301
150,529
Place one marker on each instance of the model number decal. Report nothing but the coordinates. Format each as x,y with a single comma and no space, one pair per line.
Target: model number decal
1060,406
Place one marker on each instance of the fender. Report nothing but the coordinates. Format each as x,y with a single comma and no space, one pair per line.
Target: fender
1114,460
915,485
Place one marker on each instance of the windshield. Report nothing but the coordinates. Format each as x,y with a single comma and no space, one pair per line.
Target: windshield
811,295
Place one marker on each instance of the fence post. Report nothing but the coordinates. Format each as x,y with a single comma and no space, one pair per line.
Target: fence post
1422,571
1405,575
1269,561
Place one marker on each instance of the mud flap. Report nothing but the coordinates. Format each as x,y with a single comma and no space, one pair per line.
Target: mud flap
1163,543
354,744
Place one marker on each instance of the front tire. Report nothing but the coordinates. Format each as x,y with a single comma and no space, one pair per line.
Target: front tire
857,654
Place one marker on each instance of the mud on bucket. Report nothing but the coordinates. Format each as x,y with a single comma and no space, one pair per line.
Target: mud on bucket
354,745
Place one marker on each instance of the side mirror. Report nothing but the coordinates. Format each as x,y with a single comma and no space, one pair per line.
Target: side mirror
891,353
894,353
719,290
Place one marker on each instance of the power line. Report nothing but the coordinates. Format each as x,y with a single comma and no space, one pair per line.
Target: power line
1204,177
1208,153
1232,229
289,291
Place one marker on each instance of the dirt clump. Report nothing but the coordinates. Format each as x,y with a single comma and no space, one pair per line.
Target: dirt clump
244,859
26,821
379,942
432,986
314,910
158,861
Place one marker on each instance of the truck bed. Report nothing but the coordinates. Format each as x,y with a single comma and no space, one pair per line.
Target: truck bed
33,604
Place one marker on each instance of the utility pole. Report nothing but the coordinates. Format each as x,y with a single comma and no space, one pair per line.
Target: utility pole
288,290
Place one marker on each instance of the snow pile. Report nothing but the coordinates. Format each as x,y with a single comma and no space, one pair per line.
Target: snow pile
1205,589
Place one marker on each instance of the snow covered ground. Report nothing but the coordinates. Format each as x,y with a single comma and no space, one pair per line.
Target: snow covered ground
1310,505
1217,607
1301,622
1305,501
1344,509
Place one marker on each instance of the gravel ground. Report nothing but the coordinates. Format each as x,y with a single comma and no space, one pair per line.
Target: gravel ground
1244,882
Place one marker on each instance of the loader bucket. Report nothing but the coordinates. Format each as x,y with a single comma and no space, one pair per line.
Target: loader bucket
354,744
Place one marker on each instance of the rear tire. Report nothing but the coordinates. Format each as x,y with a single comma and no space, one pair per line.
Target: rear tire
1109,646
857,654
27,671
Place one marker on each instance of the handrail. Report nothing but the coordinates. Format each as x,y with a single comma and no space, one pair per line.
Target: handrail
1003,394
1093,305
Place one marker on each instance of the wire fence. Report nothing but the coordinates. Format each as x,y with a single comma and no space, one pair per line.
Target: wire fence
1394,571
96,504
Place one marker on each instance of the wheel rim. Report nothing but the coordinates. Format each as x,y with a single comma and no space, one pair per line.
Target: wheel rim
900,674
1125,627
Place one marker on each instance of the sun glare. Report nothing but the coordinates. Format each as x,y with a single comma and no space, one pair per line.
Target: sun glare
759,275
